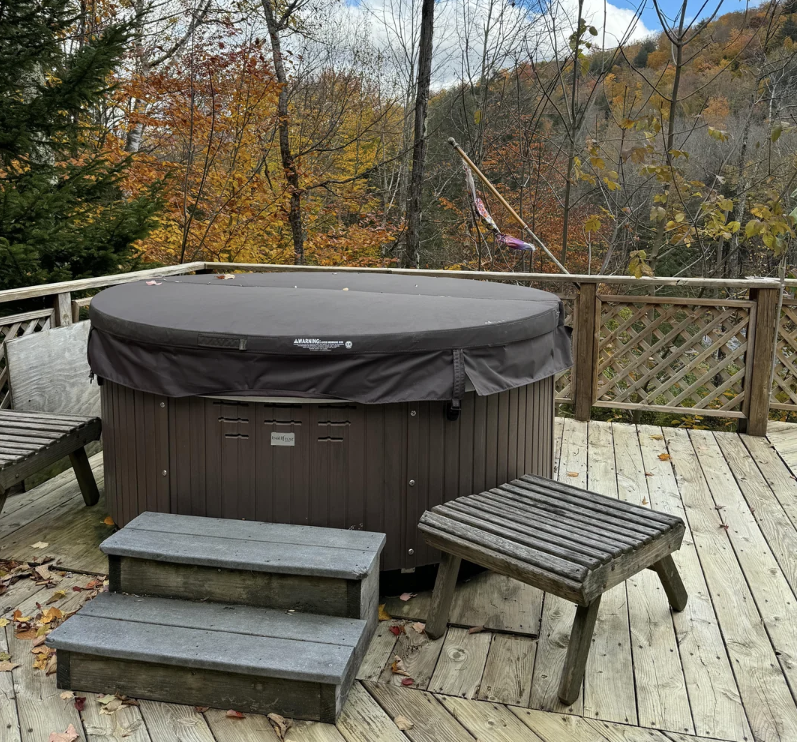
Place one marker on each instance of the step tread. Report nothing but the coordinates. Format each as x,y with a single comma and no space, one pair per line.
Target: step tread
213,636
248,545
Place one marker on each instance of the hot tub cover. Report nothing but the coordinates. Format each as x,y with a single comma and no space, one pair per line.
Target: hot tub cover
364,337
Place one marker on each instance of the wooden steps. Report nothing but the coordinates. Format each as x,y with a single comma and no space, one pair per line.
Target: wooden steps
251,616
315,570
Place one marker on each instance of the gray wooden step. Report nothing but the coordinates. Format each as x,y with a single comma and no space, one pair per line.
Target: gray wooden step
328,571
209,654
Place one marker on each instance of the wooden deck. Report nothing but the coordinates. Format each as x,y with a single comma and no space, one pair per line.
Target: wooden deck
725,668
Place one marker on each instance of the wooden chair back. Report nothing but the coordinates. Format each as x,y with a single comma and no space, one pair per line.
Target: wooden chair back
49,372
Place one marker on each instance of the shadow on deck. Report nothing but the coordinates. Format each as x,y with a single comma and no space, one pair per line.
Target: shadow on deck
725,668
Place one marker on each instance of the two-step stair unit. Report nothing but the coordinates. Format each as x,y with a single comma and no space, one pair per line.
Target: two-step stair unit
256,617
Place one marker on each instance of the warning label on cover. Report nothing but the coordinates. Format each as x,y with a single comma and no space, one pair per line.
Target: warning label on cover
318,344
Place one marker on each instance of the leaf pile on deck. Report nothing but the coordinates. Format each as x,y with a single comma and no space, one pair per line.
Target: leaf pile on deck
47,616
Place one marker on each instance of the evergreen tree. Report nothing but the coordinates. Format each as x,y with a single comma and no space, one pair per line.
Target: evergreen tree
63,214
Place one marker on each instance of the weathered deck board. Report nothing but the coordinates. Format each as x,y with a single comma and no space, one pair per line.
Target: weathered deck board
765,693
661,694
688,668
609,676
557,613
713,694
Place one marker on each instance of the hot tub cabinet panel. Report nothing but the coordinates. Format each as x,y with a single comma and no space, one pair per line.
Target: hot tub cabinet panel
345,465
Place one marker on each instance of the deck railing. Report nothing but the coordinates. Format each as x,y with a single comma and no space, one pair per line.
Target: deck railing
673,345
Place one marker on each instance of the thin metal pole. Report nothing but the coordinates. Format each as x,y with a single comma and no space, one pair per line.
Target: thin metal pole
494,191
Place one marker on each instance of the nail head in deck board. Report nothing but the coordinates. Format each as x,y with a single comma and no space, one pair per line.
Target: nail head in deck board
765,694
431,722
461,664
711,684
509,670
363,719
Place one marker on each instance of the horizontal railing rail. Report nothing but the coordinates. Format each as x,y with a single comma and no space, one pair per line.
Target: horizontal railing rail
699,346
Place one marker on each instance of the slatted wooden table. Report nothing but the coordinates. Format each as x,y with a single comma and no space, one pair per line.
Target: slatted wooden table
32,441
561,539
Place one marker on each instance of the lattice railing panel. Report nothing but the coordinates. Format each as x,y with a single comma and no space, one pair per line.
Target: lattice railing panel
15,326
784,381
671,353
563,381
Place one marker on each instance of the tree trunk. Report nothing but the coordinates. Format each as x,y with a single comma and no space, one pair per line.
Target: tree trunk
288,161
413,234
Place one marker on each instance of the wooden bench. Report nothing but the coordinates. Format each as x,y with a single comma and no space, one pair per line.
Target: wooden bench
54,402
561,539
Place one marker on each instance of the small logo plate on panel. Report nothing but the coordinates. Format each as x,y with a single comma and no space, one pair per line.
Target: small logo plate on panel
283,439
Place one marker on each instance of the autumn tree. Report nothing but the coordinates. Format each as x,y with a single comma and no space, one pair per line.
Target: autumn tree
63,211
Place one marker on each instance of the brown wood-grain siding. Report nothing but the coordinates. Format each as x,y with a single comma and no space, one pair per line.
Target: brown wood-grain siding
351,465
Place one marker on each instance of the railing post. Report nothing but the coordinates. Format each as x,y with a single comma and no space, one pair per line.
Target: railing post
758,384
62,305
587,327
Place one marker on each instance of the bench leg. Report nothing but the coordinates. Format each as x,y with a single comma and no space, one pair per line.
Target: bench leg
85,477
578,651
442,596
671,582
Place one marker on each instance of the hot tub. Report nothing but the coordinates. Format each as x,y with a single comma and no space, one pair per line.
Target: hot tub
350,400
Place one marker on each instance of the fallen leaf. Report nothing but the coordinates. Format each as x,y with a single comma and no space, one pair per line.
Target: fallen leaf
397,667
657,437
4,622
201,709
572,474
407,681
4,656
395,630
475,629
664,457
67,695
25,634
403,723
51,614
80,702
40,545
644,500
112,706
280,724
407,596
648,474
419,627
154,283
56,596
233,714
103,700
109,521
70,735
17,616
383,614
8,666
224,277
52,665
43,571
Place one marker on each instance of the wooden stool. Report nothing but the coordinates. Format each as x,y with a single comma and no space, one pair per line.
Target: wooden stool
561,539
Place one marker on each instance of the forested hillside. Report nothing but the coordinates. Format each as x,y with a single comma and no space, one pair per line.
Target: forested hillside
283,131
